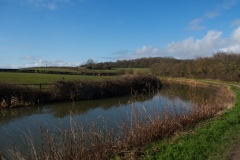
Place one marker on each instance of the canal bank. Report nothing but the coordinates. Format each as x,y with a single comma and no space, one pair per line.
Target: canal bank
13,95
215,139
151,130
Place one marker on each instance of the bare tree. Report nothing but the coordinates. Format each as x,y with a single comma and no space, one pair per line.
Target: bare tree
90,64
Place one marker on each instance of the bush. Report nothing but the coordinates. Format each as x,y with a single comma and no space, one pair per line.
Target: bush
78,90
12,95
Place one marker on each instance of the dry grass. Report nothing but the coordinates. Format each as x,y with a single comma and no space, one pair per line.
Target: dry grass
140,128
191,82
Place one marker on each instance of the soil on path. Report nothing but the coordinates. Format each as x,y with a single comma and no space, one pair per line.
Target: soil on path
236,152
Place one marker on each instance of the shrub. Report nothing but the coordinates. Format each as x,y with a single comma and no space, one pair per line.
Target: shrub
78,90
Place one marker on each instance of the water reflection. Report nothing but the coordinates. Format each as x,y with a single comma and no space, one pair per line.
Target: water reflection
16,122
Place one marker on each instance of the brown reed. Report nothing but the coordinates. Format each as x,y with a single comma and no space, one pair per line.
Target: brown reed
135,131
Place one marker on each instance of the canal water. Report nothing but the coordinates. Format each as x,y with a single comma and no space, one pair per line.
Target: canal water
17,123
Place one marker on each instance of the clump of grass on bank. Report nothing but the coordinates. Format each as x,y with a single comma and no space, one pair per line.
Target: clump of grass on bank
134,132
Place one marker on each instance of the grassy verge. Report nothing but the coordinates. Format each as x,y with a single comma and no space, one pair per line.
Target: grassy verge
212,139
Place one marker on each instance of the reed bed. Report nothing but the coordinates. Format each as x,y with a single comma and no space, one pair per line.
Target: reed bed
135,131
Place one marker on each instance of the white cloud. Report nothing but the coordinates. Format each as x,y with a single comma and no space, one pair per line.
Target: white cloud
121,55
235,23
195,24
52,63
147,50
233,42
29,57
211,14
50,4
227,4
191,47
44,63
236,35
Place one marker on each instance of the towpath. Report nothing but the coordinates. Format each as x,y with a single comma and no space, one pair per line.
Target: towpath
236,150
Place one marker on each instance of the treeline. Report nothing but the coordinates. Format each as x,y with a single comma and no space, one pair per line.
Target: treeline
135,63
223,66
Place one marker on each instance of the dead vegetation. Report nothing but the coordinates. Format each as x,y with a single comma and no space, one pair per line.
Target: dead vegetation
140,128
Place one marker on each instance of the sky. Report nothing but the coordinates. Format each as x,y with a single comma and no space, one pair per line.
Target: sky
34,33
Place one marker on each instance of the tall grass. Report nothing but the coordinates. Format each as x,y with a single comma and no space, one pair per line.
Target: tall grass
136,130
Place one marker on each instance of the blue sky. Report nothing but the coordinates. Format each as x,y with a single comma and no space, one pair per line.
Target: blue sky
69,32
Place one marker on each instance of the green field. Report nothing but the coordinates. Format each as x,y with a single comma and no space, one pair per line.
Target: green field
83,69
56,69
37,78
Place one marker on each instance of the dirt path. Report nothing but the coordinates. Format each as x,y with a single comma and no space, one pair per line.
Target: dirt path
236,151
